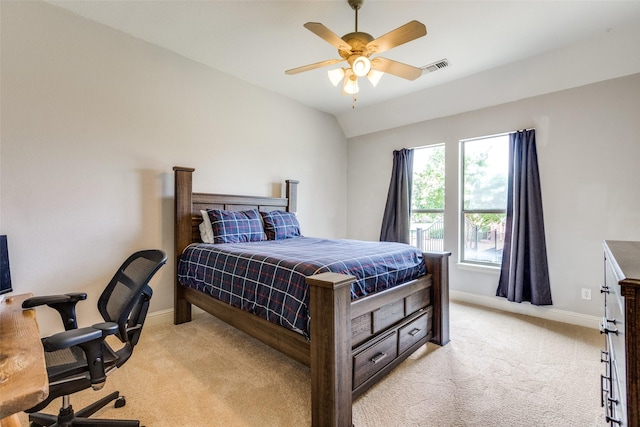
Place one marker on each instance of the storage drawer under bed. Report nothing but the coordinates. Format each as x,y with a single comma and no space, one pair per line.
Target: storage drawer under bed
414,331
370,360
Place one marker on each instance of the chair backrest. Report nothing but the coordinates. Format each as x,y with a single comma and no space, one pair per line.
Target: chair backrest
125,300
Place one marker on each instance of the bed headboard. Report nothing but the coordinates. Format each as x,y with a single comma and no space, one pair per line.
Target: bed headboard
188,205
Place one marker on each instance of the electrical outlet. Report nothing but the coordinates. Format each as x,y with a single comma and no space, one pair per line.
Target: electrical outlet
586,294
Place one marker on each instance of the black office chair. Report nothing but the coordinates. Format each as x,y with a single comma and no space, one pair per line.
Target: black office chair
81,358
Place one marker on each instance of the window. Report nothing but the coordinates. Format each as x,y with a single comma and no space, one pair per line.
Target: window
485,164
427,198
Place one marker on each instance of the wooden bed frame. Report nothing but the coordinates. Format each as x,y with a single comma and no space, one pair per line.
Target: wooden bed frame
352,344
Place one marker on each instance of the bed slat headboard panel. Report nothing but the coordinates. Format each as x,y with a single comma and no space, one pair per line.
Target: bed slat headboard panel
188,205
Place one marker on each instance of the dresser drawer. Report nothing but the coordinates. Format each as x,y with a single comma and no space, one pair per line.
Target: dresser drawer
616,405
414,331
370,360
620,325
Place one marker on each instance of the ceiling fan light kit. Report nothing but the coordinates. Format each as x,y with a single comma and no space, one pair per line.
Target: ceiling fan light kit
374,77
336,76
361,66
357,47
350,86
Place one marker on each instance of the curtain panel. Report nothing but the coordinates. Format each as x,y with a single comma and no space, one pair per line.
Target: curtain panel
396,221
524,274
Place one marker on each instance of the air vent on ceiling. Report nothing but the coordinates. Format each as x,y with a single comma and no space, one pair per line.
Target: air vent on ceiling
435,66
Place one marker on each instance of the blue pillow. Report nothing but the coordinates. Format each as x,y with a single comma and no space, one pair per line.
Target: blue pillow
280,225
236,227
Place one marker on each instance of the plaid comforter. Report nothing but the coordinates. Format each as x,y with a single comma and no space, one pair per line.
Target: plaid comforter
267,278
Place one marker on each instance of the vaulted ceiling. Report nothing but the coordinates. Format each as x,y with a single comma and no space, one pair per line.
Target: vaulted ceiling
484,43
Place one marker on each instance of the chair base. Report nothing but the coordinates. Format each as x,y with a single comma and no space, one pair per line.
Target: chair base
67,417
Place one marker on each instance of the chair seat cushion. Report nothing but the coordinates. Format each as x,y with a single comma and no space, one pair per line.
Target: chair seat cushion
70,362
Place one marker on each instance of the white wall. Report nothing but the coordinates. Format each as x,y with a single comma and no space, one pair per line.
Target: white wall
588,149
93,121
606,55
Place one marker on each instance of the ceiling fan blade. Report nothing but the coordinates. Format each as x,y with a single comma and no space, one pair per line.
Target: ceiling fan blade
328,35
396,68
401,35
313,66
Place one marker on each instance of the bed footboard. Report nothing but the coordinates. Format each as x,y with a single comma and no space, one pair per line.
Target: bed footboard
336,360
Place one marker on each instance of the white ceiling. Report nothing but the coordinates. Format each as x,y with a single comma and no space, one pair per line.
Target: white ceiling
257,41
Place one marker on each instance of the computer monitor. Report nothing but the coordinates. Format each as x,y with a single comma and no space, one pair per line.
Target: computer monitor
5,273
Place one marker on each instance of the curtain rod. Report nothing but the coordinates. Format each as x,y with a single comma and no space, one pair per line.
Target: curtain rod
469,139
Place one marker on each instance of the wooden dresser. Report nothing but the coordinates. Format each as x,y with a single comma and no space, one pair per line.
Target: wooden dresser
620,383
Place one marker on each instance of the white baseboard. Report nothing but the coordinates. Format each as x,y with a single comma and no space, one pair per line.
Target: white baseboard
527,309
166,316
159,317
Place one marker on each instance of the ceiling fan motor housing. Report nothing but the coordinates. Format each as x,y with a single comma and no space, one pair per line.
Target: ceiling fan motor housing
358,42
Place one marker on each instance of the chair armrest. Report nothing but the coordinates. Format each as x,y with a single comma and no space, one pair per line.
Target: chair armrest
76,337
63,304
71,338
107,328
53,299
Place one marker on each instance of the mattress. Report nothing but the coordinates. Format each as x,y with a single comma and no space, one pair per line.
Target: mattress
267,278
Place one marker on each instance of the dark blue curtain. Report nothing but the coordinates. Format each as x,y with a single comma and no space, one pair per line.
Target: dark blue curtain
397,213
524,274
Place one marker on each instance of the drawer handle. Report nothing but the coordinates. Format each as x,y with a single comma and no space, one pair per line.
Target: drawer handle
605,330
604,289
378,357
604,356
414,332
611,421
614,321
604,388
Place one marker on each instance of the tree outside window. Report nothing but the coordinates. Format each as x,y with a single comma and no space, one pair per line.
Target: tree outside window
485,163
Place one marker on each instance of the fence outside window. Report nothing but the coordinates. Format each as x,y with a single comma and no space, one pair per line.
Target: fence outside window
428,236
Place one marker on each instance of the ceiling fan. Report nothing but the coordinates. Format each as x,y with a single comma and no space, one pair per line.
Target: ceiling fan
357,48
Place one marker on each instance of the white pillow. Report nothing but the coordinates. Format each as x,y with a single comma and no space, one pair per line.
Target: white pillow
206,231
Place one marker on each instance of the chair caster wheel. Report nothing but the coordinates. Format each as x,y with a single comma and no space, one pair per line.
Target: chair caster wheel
120,402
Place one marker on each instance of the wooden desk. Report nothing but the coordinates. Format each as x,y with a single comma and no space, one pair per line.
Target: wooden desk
23,372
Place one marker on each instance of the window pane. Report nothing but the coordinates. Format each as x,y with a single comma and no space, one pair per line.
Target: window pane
486,162
428,178
427,231
483,237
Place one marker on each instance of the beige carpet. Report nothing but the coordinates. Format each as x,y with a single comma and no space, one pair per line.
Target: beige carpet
498,370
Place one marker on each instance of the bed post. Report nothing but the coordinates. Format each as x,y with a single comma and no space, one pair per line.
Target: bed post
438,265
330,358
183,207
292,195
